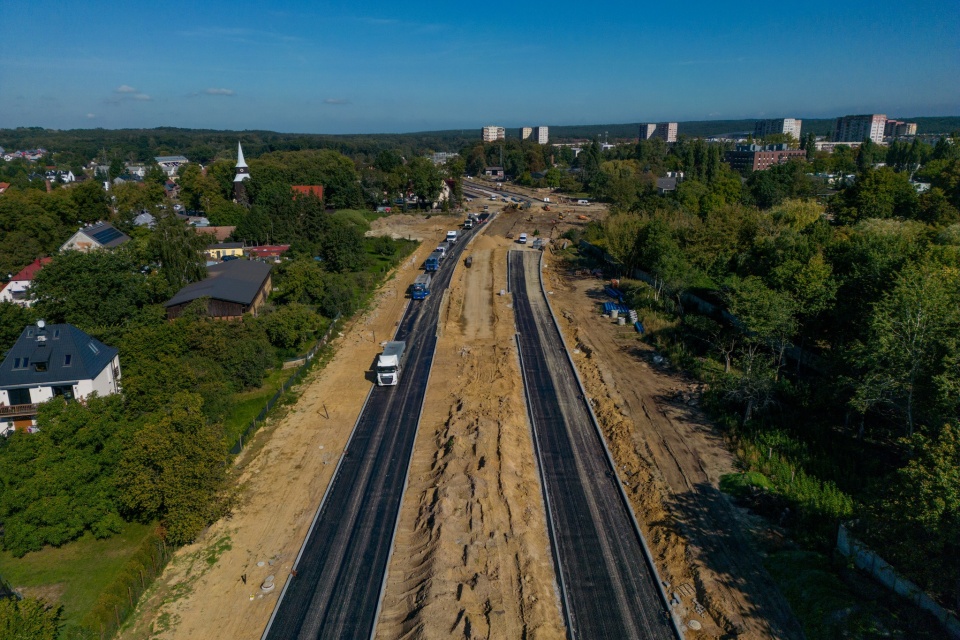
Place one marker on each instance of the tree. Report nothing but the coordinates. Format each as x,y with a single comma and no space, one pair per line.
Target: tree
910,345
426,181
177,248
91,201
767,315
29,619
290,326
175,470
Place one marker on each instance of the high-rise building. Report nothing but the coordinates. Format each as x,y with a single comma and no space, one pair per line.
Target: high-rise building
541,134
526,132
897,128
779,126
860,128
753,157
664,130
493,133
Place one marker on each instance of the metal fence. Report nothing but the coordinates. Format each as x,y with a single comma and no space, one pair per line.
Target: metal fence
867,560
294,378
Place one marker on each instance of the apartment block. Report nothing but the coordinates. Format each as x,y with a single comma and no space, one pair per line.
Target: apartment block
777,126
860,128
753,157
897,128
526,132
541,134
664,130
493,133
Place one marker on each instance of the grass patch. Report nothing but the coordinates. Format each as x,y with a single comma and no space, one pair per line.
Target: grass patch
832,604
217,549
742,484
76,573
248,404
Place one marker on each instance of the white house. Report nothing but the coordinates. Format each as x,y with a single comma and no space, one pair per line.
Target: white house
97,236
16,289
50,361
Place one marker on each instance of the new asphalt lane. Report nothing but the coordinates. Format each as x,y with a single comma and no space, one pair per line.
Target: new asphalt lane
608,586
336,589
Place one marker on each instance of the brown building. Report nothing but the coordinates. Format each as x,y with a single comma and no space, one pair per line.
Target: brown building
231,288
753,157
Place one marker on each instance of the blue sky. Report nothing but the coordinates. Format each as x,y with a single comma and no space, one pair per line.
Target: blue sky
339,67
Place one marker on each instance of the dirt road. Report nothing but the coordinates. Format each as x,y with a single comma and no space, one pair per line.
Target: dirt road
673,458
472,558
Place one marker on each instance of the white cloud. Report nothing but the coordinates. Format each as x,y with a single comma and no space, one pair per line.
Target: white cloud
125,88
142,97
91,115
219,92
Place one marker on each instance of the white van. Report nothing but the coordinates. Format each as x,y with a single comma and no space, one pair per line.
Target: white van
583,202
546,199
522,239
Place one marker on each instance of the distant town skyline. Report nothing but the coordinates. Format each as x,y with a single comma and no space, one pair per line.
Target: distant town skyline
384,68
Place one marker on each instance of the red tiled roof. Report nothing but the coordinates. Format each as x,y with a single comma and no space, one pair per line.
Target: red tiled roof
29,271
315,189
266,250
4,186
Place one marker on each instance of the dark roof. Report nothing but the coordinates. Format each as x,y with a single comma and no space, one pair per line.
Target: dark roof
667,184
226,245
235,281
88,357
105,235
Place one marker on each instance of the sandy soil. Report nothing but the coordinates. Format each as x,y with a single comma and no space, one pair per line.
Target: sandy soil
472,558
281,478
671,458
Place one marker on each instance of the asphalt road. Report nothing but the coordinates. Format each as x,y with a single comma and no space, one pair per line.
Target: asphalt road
340,574
608,587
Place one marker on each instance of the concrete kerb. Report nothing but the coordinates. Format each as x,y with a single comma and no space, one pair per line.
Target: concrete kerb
613,465
565,597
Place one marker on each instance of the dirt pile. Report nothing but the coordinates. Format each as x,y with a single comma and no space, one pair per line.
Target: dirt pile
472,558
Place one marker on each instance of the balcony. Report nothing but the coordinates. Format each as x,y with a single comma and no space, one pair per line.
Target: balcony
18,411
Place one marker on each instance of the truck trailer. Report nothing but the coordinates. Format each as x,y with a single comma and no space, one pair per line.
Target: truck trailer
390,362
421,287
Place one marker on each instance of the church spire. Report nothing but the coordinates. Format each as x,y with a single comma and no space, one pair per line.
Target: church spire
243,173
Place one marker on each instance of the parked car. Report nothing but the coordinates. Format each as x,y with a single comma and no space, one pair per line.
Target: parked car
522,239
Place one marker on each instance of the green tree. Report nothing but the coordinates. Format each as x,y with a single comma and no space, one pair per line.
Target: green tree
91,201
175,470
426,181
177,248
29,619
290,327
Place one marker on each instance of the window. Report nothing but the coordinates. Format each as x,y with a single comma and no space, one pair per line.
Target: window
29,333
40,366
16,363
56,334
66,359
93,348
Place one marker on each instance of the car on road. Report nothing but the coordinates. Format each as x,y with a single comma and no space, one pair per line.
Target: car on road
522,239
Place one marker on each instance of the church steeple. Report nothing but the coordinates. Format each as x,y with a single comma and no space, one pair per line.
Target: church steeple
243,173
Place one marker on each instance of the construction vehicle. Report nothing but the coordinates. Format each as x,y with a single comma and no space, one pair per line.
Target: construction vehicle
390,362
421,287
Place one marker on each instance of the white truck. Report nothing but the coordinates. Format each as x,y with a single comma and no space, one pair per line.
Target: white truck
451,237
390,362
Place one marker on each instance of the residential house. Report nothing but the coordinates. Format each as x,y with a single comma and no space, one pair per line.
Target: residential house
231,288
53,361
224,250
171,164
267,252
97,236
4,186
306,190
16,290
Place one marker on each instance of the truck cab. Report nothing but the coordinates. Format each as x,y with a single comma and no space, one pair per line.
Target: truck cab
389,363
432,262
451,236
421,287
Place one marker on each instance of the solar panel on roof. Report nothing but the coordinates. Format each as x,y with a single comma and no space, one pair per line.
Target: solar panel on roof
107,235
